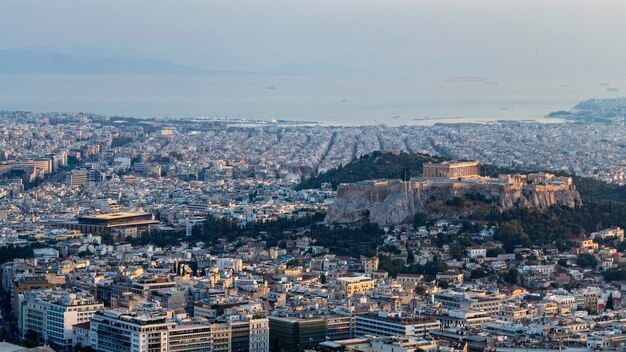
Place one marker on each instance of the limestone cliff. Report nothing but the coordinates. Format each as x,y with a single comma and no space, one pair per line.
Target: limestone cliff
393,202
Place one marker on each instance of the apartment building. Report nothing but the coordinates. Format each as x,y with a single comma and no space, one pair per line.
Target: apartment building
353,285
156,330
52,313
394,324
120,331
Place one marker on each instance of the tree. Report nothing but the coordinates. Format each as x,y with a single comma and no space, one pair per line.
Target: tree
293,263
511,234
420,219
478,274
457,251
614,275
609,302
587,260
410,257
10,252
513,277
494,252
323,279
31,339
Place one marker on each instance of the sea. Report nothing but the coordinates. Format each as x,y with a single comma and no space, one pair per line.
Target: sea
348,101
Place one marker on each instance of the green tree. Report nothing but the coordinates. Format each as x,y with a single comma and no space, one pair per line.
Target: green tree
494,252
457,251
410,257
420,219
609,302
614,275
478,274
587,260
293,263
513,277
511,234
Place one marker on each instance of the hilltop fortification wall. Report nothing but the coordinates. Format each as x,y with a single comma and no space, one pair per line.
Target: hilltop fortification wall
393,202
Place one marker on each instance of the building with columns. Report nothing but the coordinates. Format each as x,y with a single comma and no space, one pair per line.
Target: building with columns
452,170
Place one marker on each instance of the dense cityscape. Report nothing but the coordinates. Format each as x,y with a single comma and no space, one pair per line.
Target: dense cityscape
122,234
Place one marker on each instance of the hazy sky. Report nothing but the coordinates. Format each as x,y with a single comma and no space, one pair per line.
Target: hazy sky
501,38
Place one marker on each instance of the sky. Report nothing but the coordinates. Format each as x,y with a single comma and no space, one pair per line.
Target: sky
444,38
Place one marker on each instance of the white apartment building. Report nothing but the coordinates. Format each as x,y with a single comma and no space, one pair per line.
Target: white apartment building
259,335
157,331
476,252
236,265
52,313
118,331
387,324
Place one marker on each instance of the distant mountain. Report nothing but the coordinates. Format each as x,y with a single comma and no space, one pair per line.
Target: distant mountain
318,69
53,62
34,62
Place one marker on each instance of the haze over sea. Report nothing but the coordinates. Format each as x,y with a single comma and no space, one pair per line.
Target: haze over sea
329,100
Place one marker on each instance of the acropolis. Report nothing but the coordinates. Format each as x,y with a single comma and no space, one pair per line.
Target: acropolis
393,201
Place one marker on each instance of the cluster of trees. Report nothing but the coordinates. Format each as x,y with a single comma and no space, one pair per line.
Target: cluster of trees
348,240
397,266
272,231
370,166
587,261
213,228
614,275
10,252
558,225
158,238
604,206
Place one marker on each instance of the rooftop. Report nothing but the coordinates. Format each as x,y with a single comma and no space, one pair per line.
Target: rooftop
111,216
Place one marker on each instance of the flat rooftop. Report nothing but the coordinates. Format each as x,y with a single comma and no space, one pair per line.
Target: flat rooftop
112,216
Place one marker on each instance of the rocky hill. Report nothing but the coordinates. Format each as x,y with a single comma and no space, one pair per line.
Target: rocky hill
393,202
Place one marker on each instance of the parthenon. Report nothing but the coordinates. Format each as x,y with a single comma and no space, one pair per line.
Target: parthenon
452,170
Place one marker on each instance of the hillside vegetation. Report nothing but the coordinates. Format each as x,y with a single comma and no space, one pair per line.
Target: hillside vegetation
604,205
372,166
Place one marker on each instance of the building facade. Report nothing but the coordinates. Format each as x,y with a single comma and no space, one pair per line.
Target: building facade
52,314
452,170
